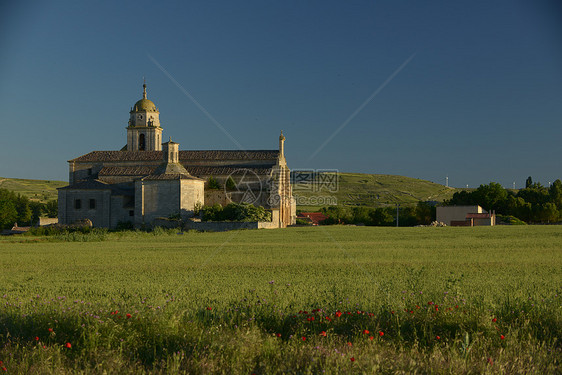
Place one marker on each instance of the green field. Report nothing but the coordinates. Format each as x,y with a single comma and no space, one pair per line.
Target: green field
39,190
433,300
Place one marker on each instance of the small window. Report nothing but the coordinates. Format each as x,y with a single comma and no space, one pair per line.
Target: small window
77,204
131,213
92,204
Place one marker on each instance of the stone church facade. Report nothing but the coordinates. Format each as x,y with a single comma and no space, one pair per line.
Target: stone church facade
148,179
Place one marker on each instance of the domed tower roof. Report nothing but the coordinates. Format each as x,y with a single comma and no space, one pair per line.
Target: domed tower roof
144,104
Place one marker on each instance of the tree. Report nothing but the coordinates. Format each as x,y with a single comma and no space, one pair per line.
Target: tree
52,208
213,183
491,196
230,184
425,213
8,212
555,193
381,217
528,182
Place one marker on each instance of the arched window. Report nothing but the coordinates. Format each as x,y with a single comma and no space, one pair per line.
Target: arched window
141,142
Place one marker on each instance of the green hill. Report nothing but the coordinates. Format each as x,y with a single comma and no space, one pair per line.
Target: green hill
39,190
351,189
373,190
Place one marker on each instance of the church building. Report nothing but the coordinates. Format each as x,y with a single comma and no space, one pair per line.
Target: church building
148,179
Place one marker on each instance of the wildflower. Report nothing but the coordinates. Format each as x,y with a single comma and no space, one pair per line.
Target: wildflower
68,345
438,337
502,337
352,359
494,320
436,308
209,308
36,338
381,333
338,313
323,333
128,316
303,338
278,335
328,319
50,330
349,344
365,332
4,368
371,338
430,303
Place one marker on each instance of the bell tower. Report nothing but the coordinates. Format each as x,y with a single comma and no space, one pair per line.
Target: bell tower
144,132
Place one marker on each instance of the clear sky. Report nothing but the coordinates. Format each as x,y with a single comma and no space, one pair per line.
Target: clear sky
471,89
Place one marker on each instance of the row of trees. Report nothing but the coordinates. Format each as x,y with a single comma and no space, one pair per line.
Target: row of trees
422,214
18,208
534,204
235,212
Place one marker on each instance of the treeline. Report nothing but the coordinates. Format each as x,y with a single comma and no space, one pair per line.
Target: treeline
534,204
235,212
422,214
18,208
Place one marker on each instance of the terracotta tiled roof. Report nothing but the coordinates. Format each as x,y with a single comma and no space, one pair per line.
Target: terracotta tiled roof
88,185
314,217
260,170
170,176
126,171
184,156
227,170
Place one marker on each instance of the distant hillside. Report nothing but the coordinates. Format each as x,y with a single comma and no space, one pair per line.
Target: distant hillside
353,189
373,190
39,190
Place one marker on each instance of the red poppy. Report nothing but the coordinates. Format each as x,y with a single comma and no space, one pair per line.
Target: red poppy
36,338
436,308
494,320
323,333
350,344
278,335
392,312
68,345
209,308
381,333
502,337
371,314
4,369
371,337
128,316
456,306
365,332
50,330
328,319
438,337
303,338
352,359
338,313
430,303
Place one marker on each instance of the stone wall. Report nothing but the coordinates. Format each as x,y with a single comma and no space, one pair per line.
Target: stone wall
222,226
99,215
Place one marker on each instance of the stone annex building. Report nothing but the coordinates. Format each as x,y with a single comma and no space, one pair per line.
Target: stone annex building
148,179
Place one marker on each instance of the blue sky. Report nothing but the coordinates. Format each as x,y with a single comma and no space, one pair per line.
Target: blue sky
479,100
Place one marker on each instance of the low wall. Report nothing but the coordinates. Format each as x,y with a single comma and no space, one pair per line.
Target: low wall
222,226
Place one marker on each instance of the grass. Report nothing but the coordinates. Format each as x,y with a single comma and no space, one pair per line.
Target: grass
242,301
39,190
373,190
